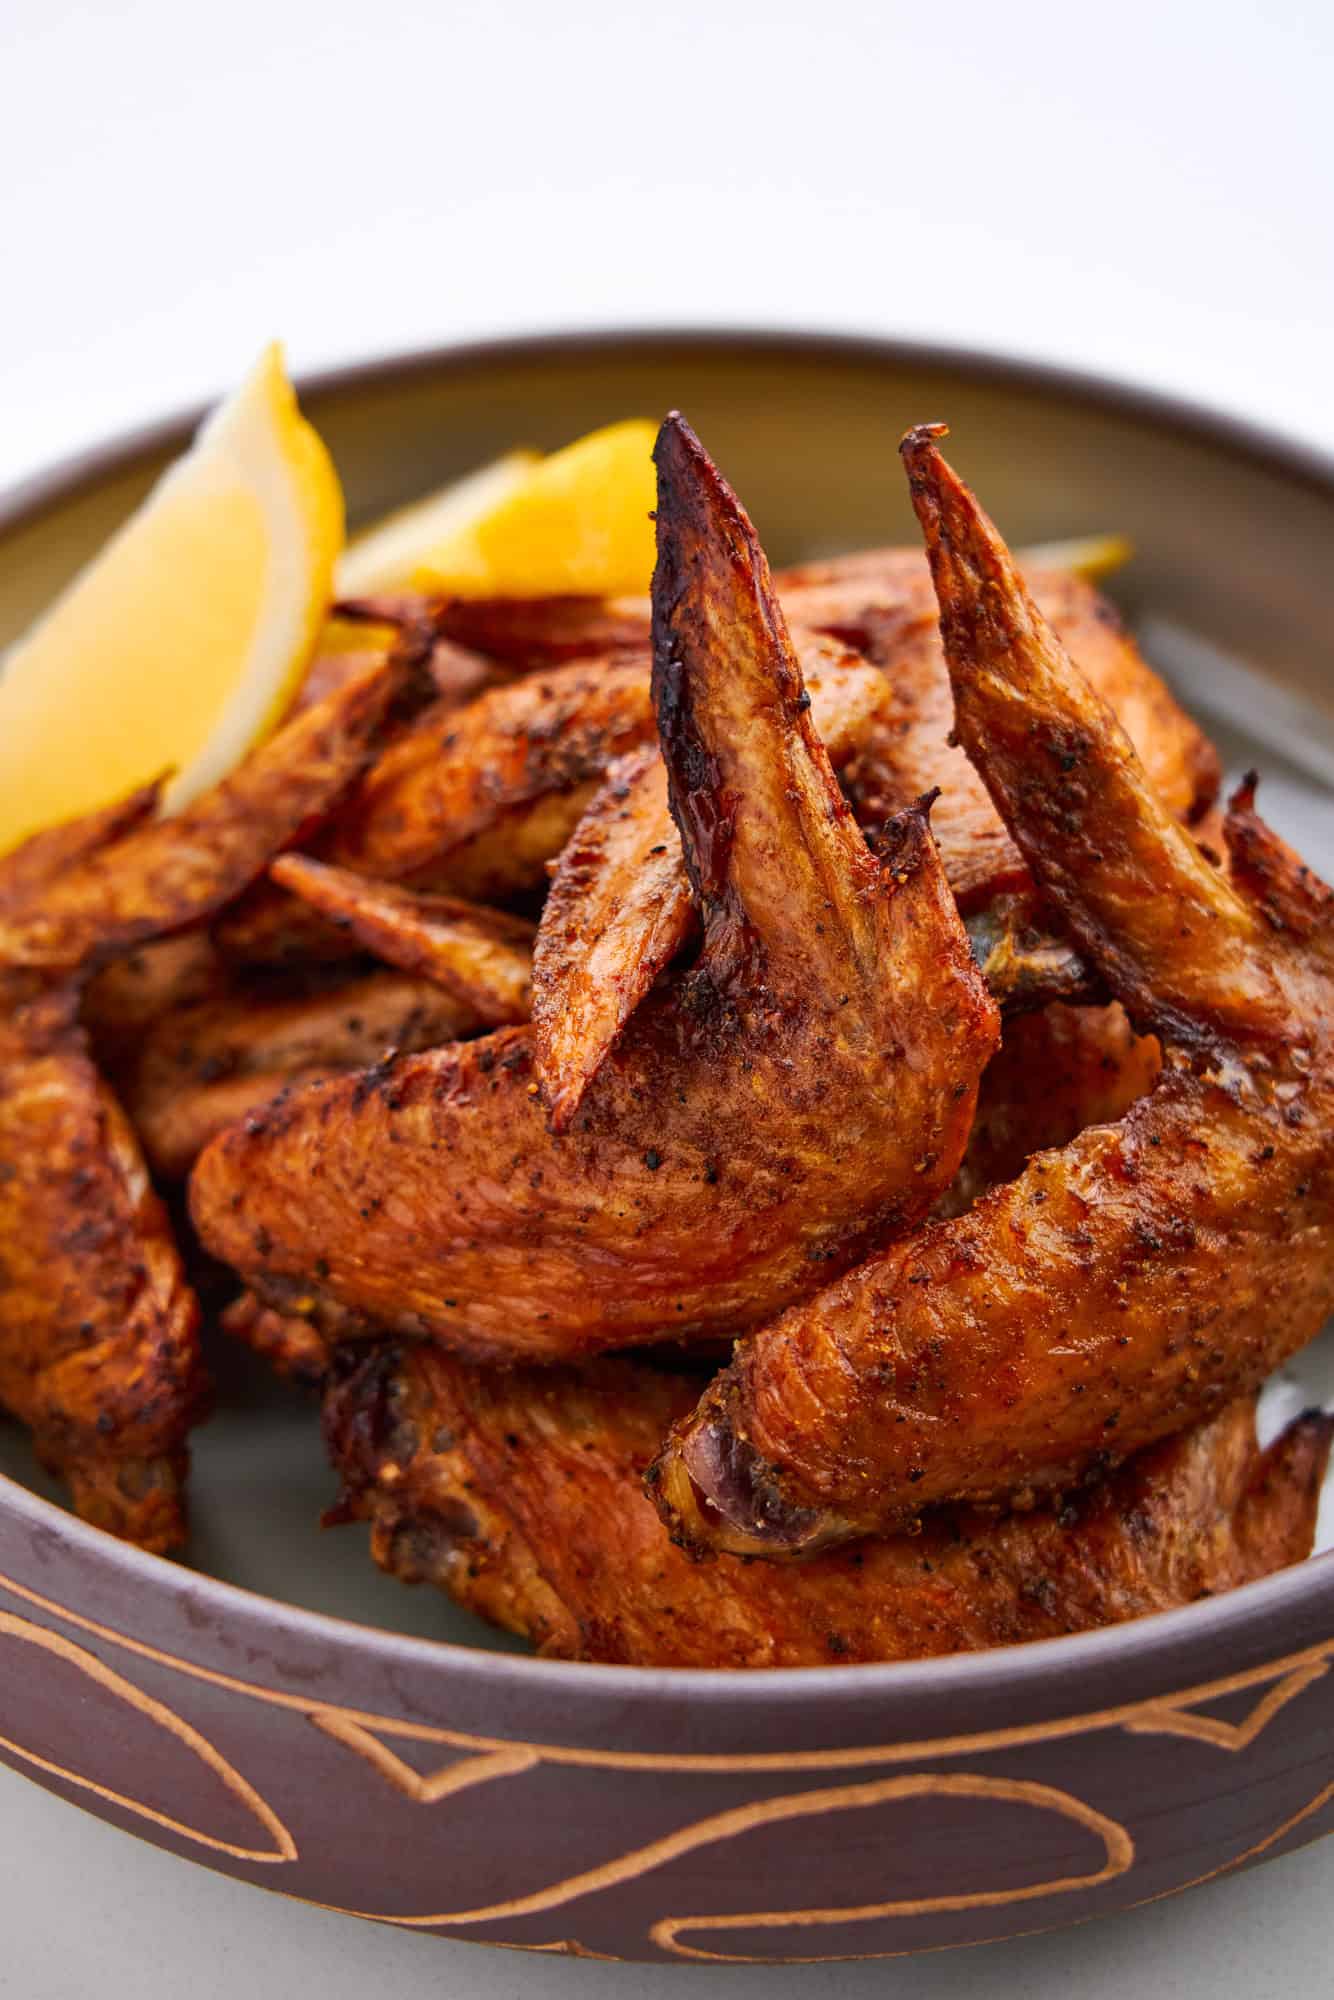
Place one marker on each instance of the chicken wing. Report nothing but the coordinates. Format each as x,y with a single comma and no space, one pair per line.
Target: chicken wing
75,897
99,1331
520,1493
803,1091
619,908
1150,1270
483,957
914,747
204,1065
1056,1072
472,801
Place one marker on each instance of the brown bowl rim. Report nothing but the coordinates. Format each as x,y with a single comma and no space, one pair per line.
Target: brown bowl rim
1304,1588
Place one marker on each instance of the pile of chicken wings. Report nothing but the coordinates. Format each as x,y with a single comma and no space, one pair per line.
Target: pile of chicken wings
782,1122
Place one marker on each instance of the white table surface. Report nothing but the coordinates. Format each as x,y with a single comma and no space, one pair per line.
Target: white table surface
1143,190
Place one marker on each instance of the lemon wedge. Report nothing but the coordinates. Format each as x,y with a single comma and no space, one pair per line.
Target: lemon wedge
1089,556
181,643
388,556
576,524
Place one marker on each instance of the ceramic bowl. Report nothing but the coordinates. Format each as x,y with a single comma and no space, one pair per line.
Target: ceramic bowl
280,1712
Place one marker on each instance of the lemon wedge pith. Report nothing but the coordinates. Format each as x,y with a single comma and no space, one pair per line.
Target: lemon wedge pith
181,643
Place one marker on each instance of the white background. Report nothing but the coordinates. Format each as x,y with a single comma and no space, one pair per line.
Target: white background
1143,189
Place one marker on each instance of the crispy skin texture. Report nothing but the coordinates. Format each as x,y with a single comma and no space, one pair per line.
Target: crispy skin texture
99,1331
219,1058
1133,1281
914,747
804,1090
291,1346
456,674
165,875
174,1130
619,908
520,1494
456,777
469,801
483,957
1056,1072
529,633
121,1003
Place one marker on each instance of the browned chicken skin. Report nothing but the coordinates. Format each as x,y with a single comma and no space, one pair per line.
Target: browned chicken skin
122,1002
292,1347
99,1330
472,800
1056,1072
520,1493
483,957
915,745
231,1043
804,1090
204,1065
130,882
530,633
1129,1283
620,907
221,1054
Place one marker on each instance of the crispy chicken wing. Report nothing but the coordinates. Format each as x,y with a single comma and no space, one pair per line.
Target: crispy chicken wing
803,1091
204,1065
483,957
620,909
1057,1071
520,1493
78,896
914,747
473,801
1147,1272
99,1331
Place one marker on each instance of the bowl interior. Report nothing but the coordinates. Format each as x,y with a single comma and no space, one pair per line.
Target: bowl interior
1231,590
